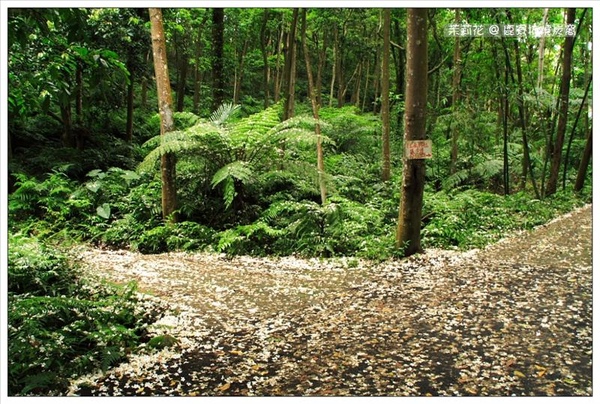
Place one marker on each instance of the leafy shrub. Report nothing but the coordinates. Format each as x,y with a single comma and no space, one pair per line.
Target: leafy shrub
37,270
60,325
473,219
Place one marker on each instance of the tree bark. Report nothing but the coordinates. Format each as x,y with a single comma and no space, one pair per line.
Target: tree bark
67,122
130,98
181,83
385,96
265,56
290,69
278,74
315,108
408,235
456,73
165,107
561,129
339,71
541,50
237,90
218,16
585,160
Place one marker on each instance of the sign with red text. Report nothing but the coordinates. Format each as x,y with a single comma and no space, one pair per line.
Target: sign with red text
418,149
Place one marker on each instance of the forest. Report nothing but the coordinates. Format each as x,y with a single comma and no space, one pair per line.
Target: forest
272,132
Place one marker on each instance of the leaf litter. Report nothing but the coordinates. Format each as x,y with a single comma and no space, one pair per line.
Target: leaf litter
514,319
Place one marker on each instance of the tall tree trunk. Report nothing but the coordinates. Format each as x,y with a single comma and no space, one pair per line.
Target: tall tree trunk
278,73
197,78
144,92
456,73
385,96
67,121
333,77
339,70
265,56
573,130
181,83
320,67
315,108
561,129
79,130
165,108
290,69
376,77
130,99
541,50
218,16
408,235
240,74
198,75
585,160
400,68
527,164
506,168
355,99
366,88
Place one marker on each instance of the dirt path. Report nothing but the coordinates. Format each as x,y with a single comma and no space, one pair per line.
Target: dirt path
514,319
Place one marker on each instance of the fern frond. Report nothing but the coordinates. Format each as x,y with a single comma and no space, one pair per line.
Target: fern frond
110,356
455,179
240,170
488,168
255,127
223,113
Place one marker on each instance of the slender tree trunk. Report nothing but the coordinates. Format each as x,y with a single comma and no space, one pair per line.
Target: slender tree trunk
573,128
181,83
67,121
278,73
265,56
240,74
456,73
527,164
130,99
78,133
79,94
563,109
376,77
339,70
290,68
366,89
408,235
333,77
197,79
218,16
506,168
542,49
355,99
165,108
315,108
585,160
385,96
320,67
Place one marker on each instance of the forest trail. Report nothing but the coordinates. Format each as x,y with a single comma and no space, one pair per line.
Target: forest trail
512,319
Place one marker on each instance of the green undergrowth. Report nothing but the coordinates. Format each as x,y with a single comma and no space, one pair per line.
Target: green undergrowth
475,219
118,208
62,324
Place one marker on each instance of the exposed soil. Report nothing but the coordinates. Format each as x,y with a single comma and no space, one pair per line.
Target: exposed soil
512,319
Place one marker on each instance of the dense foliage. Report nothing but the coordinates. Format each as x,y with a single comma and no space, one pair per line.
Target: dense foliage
61,325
